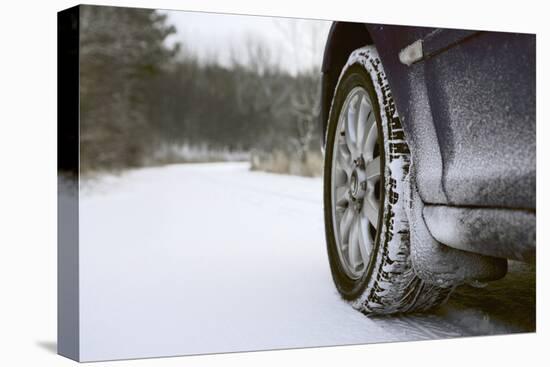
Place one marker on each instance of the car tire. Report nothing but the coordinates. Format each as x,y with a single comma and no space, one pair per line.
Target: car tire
366,188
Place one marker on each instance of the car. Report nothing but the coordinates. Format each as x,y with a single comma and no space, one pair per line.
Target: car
430,161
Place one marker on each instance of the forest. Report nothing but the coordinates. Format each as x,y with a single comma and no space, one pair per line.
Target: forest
145,103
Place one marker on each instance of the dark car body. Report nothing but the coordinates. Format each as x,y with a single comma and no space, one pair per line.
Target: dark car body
467,105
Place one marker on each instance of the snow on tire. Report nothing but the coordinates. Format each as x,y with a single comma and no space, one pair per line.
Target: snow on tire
366,181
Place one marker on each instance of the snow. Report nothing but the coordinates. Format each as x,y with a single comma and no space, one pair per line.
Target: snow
206,258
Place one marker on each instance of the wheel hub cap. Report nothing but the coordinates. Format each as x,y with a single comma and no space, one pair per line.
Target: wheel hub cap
358,183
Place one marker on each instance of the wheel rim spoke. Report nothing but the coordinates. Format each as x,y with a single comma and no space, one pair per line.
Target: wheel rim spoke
370,209
372,170
344,158
354,247
345,224
365,111
371,138
367,242
351,126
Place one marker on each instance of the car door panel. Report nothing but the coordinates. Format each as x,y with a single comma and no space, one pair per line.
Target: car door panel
482,97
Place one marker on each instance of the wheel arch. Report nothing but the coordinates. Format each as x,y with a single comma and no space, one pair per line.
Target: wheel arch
343,38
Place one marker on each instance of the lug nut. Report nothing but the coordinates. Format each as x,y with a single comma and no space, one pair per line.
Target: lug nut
359,162
364,185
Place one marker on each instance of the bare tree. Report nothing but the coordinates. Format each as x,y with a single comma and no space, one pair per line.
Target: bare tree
305,102
304,39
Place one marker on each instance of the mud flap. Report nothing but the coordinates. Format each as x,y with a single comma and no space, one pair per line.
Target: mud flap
441,265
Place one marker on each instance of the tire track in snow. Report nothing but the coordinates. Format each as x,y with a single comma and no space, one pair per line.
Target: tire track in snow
420,327
260,190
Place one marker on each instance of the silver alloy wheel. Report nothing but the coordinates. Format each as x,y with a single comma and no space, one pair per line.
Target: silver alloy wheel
356,174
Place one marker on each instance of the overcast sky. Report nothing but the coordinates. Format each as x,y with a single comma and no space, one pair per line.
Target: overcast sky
296,44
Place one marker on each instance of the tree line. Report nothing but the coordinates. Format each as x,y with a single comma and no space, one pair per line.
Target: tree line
137,95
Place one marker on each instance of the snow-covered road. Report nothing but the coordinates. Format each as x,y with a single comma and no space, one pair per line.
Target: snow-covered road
204,258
